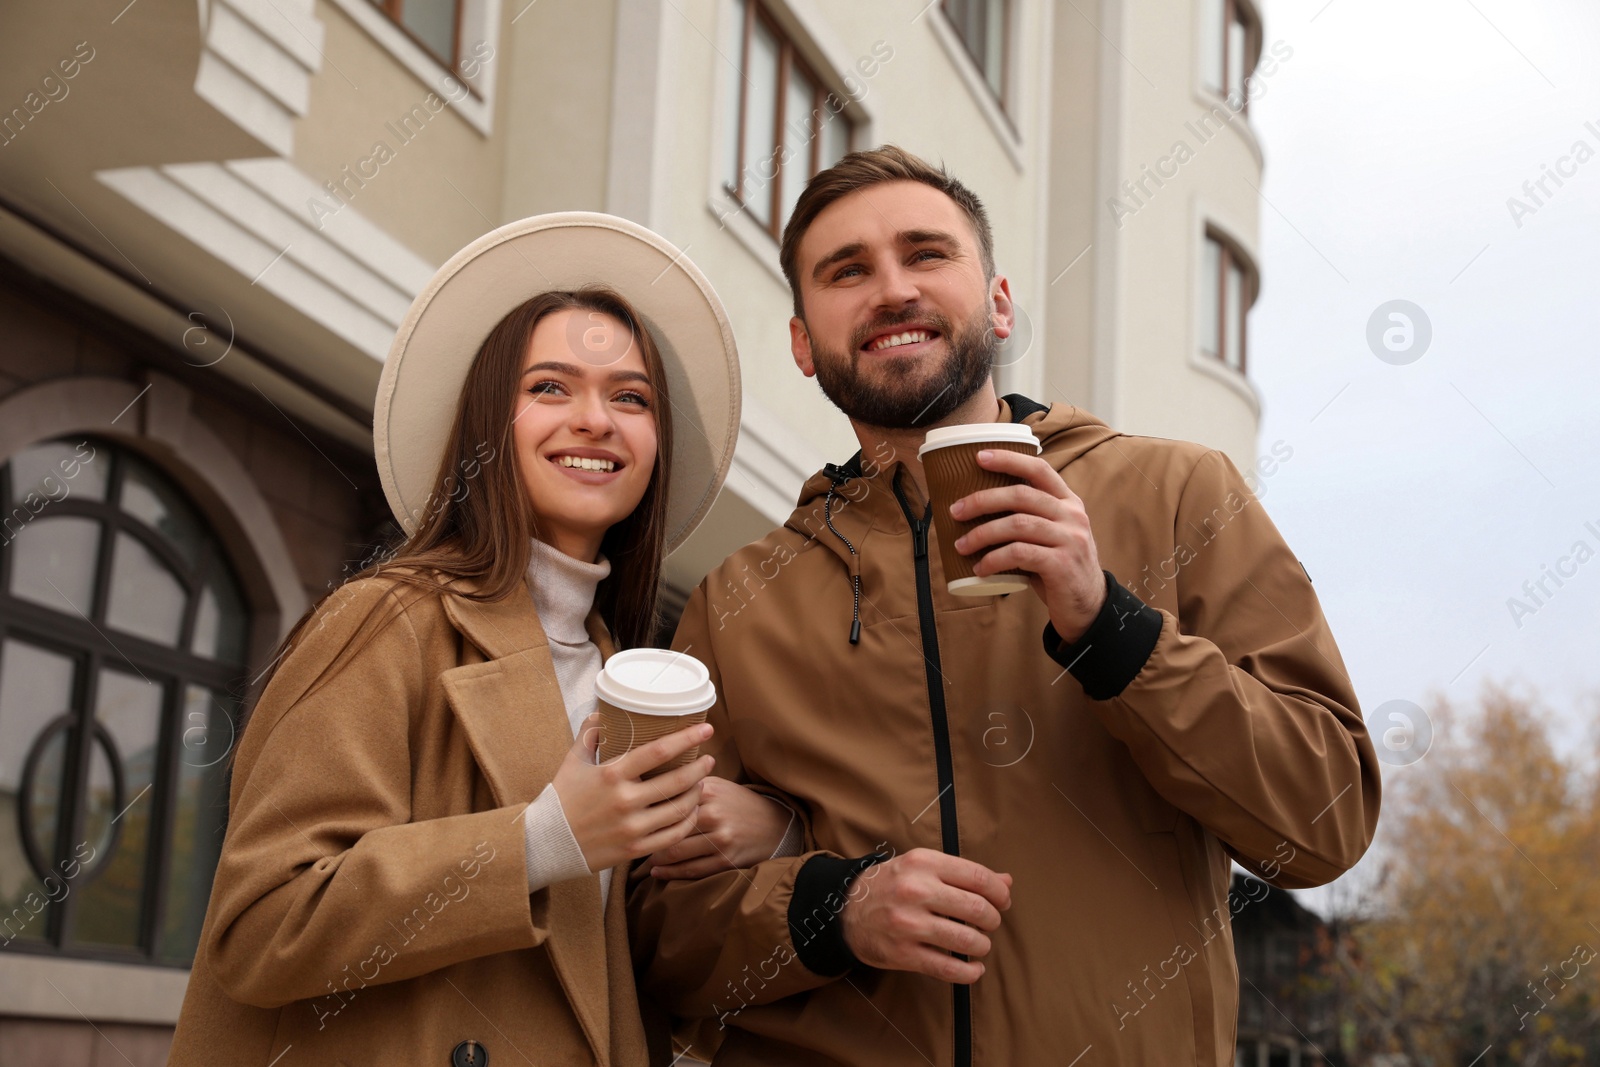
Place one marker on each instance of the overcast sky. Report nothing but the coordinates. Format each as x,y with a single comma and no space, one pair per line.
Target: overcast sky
1422,495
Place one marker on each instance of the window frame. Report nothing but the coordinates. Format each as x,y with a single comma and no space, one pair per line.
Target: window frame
1229,255
393,10
92,651
1243,12
789,59
1002,97
482,26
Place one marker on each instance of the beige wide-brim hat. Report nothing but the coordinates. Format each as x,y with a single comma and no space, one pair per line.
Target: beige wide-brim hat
420,388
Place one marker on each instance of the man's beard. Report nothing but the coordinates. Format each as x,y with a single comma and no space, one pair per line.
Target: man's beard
893,399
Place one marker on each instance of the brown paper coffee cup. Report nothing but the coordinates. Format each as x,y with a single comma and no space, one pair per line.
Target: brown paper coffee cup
647,693
950,461
622,731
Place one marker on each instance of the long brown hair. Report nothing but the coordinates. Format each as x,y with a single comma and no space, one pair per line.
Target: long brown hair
477,525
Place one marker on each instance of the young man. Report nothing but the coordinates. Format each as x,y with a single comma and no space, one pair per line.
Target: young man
1021,810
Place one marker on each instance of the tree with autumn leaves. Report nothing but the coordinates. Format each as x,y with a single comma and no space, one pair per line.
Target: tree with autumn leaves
1478,942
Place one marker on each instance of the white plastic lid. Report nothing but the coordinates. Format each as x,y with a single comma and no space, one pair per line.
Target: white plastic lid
654,681
977,433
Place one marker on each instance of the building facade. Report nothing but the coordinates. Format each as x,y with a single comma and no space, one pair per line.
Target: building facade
214,215
1290,1008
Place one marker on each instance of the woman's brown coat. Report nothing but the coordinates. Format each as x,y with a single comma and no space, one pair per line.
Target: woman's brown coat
371,904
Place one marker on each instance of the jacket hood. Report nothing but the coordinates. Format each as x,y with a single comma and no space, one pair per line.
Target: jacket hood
836,506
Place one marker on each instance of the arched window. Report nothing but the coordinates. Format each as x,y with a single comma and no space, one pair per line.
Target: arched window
123,635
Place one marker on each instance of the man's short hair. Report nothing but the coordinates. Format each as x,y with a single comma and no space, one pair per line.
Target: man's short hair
858,170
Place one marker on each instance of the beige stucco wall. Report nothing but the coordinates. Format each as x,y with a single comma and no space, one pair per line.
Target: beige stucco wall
546,148
555,106
355,100
1067,342
1160,388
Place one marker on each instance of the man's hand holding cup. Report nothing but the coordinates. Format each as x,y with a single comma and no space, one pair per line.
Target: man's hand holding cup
1042,530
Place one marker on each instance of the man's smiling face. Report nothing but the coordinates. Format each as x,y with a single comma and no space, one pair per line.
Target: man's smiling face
900,322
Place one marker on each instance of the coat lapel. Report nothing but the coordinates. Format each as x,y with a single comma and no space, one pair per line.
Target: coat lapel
515,720
628,1040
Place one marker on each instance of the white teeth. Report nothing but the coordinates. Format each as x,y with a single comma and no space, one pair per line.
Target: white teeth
586,464
893,340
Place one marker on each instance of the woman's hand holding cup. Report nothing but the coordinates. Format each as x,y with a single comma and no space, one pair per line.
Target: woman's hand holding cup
614,814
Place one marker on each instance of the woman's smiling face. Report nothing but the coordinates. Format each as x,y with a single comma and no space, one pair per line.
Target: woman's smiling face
584,427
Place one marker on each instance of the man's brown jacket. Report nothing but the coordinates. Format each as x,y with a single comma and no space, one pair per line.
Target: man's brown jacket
1206,716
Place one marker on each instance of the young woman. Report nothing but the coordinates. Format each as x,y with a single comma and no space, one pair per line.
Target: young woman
423,861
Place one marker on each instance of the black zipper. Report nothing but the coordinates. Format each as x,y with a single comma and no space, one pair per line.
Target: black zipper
951,838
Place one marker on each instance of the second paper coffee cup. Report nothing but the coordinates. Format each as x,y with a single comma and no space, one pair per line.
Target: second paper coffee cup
646,693
950,460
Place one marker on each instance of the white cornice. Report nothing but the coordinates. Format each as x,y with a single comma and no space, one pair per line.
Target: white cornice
255,215
293,190
257,62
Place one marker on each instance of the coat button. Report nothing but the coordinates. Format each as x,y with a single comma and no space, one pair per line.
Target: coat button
470,1054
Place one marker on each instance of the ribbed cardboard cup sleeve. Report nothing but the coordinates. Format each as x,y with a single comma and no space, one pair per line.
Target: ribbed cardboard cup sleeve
953,473
622,731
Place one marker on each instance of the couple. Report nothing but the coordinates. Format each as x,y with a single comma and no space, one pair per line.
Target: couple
946,830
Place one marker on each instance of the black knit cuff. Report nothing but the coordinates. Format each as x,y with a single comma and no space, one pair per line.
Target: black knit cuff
1113,650
819,896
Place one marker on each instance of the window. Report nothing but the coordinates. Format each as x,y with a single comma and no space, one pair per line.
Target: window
981,25
1230,44
1283,960
434,24
122,641
1227,289
787,128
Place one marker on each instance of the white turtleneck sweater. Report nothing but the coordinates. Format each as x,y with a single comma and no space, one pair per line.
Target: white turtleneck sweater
563,595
